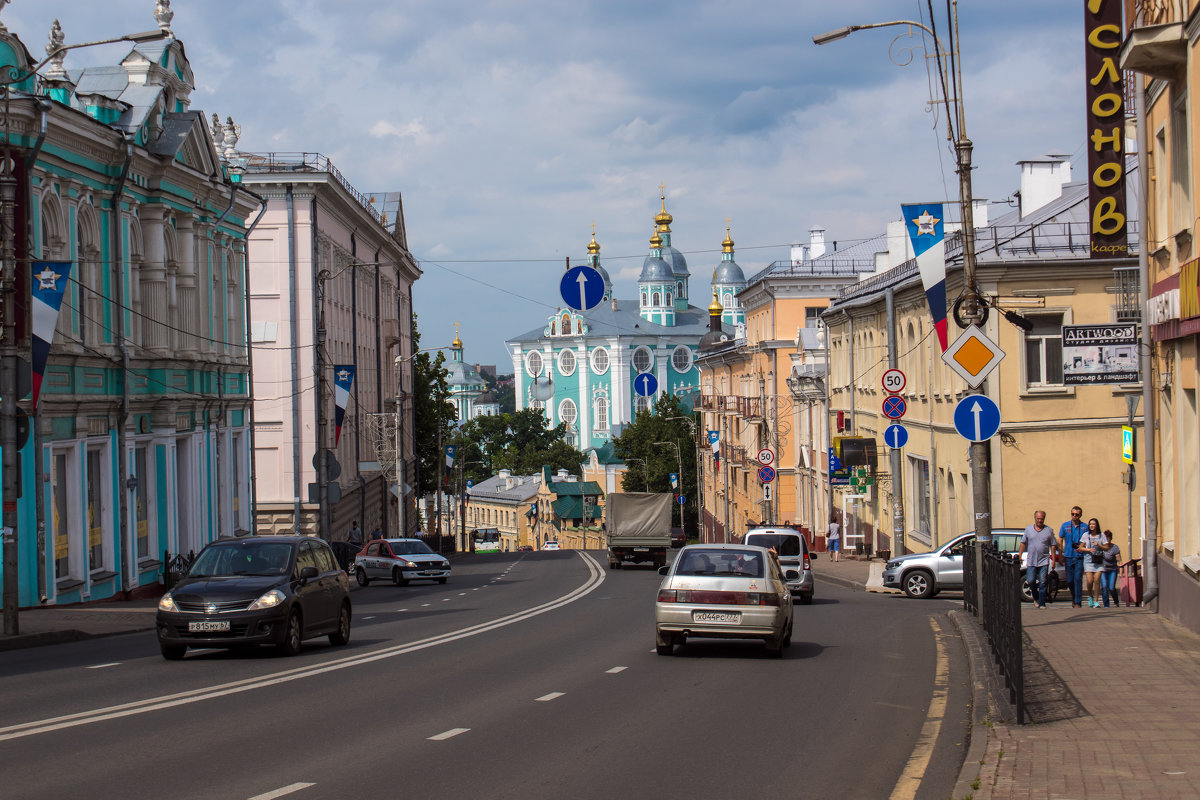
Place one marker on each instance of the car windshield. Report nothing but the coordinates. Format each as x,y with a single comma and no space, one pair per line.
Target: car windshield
410,548
785,544
739,563
242,558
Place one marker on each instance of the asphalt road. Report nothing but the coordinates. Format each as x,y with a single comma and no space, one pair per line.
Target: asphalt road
527,675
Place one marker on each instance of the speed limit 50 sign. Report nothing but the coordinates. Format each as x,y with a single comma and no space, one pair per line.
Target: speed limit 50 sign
893,381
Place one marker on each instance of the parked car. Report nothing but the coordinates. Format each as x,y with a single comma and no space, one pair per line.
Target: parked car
400,561
678,537
923,575
526,548
792,549
724,591
550,546
256,590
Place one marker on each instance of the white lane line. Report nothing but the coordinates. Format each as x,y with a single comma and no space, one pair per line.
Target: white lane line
445,599
280,792
462,594
441,737
102,666
370,617
615,670
596,576
546,698
403,609
426,605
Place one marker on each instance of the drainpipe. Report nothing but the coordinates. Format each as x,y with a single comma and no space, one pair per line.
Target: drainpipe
383,511
295,334
828,424
1149,412
118,267
324,512
39,496
221,405
252,503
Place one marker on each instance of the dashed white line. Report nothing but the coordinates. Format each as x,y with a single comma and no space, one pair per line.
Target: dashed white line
546,698
426,605
441,737
615,670
462,594
370,617
102,666
280,792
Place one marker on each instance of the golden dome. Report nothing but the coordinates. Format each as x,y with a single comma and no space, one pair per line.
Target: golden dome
715,307
656,240
663,219
457,343
727,245
593,245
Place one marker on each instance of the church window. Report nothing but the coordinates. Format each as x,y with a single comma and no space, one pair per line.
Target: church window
669,301
554,327
533,364
601,414
567,412
642,404
657,299
642,359
643,298
600,361
679,288
681,358
566,362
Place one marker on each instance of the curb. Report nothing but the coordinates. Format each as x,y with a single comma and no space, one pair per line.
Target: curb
24,640
972,768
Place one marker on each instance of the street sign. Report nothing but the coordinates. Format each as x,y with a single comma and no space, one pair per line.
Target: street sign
766,474
766,457
682,499
893,381
894,406
976,418
766,491
895,436
333,469
645,384
973,356
1127,444
582,287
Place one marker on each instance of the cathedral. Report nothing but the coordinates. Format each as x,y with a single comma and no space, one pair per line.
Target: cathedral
582,368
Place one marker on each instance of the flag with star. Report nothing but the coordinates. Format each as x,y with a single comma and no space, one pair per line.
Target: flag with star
927,233
343,379
47,289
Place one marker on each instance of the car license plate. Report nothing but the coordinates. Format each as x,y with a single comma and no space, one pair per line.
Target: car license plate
209,626
716,616
641,549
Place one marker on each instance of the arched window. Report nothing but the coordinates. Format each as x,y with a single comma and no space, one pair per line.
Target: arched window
600,360
600,414
657,299
566,362
90,305
567,412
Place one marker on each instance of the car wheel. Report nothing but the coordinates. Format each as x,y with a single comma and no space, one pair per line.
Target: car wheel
918,584
664,645
360,575
774,647
173,652
398,577
1026,592
614,565
441,580
787,640
342,635
292,636
806,599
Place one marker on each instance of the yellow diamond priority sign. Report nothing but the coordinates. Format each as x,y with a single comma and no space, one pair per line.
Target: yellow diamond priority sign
973,356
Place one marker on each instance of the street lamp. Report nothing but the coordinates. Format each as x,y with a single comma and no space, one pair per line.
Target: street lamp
973,308
10,354
691,423
678,474
399,434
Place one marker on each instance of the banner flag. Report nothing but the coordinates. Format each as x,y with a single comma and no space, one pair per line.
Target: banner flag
714,439
451,449
343,379
927,233
47,289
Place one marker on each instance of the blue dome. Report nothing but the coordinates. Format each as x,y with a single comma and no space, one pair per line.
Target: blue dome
655,270
728,272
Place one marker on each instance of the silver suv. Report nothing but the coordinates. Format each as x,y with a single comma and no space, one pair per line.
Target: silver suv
794,558
923,575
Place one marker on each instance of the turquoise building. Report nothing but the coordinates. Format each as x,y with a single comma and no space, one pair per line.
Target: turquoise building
140,444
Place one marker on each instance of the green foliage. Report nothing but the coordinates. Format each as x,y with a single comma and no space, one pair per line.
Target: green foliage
433,412
519,441
650,464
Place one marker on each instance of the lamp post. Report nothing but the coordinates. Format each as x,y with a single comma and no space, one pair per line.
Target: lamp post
10,348
973,307
401,361
691,423
678,474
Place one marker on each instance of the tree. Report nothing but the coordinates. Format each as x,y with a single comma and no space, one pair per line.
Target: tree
432,412
520,442
651,463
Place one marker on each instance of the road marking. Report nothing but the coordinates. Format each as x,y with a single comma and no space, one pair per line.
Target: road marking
370,617
426,605
293,787
910,780
441,737
404,609
462,594
445,599
546,698
596,577
102,666
615,670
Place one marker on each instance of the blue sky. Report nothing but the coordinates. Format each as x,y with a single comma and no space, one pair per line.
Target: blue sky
511,126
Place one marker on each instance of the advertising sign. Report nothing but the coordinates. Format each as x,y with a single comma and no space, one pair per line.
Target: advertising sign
1104,92
1094,354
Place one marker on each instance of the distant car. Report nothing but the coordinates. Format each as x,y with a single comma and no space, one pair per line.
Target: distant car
792,549
256,590
551,546
400,561
923,575
526,548
678,537
723,591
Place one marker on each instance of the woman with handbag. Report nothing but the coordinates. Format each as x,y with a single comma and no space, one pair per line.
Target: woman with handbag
1108,578
1090,550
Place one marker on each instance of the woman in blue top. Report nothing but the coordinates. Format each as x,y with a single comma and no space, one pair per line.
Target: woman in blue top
1093,560
1108,578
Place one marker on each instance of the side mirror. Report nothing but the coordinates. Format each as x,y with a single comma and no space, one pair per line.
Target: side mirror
308,573
791,575
663,570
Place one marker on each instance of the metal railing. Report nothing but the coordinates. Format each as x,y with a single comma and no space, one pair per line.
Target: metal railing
175,567
1002,579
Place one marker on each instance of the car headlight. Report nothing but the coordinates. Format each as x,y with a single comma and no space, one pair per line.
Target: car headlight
892,564
268,600
411,564
167,603
445,565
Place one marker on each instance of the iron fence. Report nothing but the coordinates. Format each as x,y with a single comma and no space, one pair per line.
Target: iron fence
1001,620
176,566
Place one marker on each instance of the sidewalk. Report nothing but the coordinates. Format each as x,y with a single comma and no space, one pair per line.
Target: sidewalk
1112,698
56,624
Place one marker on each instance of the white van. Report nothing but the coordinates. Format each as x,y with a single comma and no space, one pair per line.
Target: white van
792,549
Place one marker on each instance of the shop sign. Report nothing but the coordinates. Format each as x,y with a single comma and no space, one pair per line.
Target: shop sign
1105,96
1094,354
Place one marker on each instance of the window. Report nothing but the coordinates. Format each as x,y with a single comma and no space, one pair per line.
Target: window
919,499
600,361
1181,179
95,510
533,363
601,414
142,498
642,359
1043,351
62,515
566,362
657,299
812,317
642,404
681,358
566,324
567,412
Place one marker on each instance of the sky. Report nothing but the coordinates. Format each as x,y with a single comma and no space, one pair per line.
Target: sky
512,126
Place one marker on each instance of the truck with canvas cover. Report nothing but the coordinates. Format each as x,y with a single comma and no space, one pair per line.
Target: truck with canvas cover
638,526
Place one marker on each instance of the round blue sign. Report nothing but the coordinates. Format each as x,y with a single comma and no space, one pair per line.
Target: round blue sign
896,436
766,474
977,418
682,499
582,287
894,406
645,384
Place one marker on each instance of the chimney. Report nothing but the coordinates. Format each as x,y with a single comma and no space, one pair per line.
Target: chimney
1042,180
797,253
816,242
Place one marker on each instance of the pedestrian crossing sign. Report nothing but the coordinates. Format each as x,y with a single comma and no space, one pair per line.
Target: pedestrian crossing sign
1127,444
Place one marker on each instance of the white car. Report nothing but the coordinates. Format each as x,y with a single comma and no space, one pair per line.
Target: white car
551,546
401,561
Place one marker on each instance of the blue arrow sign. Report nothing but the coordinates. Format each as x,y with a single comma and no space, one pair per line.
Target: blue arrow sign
582,287
976,418
766,474
645,384
682,499
896,436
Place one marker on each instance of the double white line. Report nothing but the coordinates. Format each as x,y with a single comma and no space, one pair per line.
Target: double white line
594,579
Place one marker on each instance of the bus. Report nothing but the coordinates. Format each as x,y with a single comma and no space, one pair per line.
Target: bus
487,540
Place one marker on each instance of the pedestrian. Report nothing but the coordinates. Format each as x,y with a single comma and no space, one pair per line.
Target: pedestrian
833,540
1093,561
376,534
355,536
1108,578
1069,535
1038,543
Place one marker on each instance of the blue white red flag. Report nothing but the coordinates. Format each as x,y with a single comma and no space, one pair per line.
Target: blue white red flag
343,379
47,288
714,439
927,233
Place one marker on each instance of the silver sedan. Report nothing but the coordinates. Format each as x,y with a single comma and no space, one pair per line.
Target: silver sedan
401,561
723,591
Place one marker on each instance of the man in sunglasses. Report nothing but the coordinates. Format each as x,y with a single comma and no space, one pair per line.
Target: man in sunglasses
1069,535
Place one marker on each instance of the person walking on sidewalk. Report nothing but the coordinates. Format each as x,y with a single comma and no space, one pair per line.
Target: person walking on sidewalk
1108,578
1093,561
1038,543
355,536
1069,535
833,536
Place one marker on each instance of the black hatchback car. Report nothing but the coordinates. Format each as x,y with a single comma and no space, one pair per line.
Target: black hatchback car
254,590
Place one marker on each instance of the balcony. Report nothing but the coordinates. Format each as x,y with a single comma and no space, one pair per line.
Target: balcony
1157,42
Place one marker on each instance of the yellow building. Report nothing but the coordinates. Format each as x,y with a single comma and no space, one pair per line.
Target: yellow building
504,502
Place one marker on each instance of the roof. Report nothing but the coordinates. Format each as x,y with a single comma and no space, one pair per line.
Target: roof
606,454
602,321
573,508
495,488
